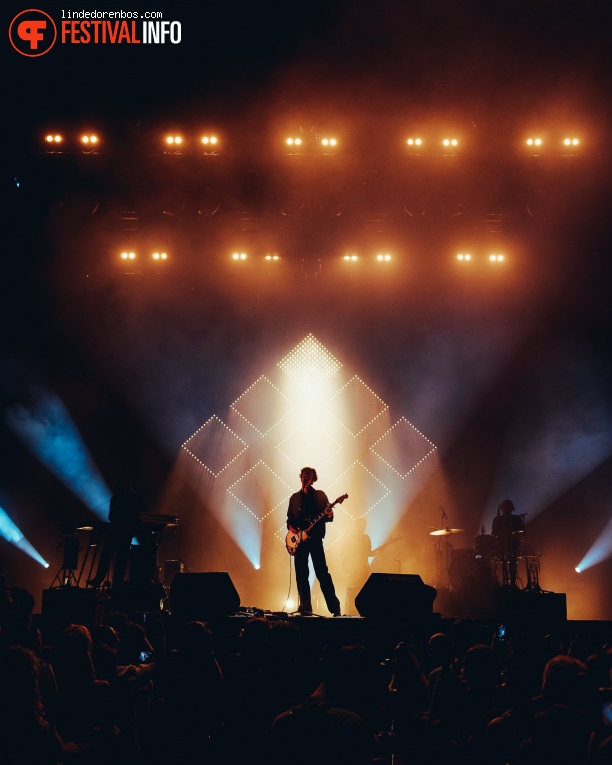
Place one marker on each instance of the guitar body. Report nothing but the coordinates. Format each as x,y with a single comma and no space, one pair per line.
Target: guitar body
295,538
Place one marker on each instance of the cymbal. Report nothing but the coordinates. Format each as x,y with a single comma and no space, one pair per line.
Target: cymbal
445,532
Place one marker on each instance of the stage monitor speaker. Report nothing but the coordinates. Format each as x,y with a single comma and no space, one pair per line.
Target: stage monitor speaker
395,596
202,596
63,606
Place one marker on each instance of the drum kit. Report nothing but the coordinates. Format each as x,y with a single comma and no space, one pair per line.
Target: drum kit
480,566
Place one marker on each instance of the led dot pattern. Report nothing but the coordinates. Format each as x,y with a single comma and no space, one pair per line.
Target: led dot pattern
249,486
403,448
362,404
214,446
257,401
310,363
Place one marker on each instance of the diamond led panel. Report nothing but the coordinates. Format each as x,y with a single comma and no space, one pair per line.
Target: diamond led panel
308,445
309,363
360,405
260,491
403,448
367,491
262,406
214,446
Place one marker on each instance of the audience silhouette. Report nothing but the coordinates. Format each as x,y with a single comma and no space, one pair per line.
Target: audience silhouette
161,691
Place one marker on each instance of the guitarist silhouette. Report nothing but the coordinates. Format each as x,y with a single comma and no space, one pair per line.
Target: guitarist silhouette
308,513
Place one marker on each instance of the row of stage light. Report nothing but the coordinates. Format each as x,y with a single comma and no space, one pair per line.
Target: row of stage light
176,143
160,256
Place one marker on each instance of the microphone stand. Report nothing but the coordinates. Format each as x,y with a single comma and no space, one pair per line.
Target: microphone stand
532,573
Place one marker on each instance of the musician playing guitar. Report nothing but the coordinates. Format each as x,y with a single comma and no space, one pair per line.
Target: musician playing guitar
304,506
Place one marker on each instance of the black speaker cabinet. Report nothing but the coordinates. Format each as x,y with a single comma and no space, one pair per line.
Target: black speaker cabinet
198,597
62,606
395,596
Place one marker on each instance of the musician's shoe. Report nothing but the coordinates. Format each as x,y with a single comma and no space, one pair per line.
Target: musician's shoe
337,613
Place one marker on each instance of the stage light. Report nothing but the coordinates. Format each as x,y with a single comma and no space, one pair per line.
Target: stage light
160,256
328,142
89,140
496,258
600,550
351,257
414,142
239,256
272,257
210,140
571,145
12,534
534,142
54,138
128,255
294,141
578,570
48,432
257,566
383,258
174,140
464,256
290,605
450,142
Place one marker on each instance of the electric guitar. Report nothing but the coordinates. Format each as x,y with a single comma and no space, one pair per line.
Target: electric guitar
390,541
295,538
355,562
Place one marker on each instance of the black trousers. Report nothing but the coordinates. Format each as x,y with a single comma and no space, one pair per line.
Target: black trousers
313,547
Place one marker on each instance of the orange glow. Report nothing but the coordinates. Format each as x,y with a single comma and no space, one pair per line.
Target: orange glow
464,256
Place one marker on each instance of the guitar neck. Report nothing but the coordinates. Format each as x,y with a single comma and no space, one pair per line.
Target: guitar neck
327,507
318,518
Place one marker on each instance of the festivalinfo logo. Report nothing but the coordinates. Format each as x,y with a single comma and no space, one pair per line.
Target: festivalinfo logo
33,32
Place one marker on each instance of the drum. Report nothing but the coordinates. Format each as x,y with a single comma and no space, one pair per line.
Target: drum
460,552
486,546
467,572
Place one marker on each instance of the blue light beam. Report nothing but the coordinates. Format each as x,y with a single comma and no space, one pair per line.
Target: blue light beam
601,549
47,431
12,534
